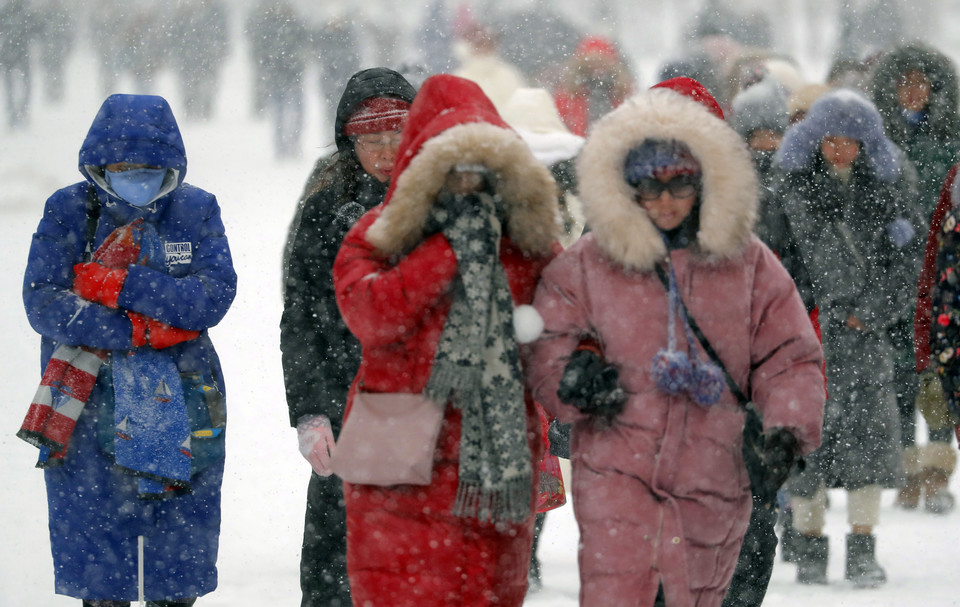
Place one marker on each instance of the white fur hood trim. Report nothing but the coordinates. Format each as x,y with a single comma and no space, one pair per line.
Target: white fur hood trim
526,186
621,227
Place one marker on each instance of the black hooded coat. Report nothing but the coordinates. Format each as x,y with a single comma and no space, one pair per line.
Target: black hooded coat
320,355
933,145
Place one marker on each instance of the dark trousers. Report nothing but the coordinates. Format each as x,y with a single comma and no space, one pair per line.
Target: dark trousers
907,385
323,560
534,561
660,601
755,564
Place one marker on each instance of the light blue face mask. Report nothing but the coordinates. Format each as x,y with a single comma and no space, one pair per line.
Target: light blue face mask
137,186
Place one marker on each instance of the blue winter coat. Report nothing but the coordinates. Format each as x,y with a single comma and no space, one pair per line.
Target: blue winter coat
95,514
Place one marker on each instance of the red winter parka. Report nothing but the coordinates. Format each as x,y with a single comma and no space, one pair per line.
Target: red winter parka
404,546
661,494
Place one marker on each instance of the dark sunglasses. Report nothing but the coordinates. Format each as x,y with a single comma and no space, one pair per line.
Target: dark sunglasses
681,186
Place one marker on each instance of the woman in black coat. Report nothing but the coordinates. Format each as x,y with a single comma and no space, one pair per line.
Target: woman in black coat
847,192
320,355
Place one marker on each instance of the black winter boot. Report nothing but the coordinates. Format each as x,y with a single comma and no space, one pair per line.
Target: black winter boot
862,567
811,554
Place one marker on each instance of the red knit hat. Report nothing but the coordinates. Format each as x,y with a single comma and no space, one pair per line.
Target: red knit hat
694,90
377,114
596,45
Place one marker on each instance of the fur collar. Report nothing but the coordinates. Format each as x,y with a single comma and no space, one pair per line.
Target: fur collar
621,227
525,185
842,112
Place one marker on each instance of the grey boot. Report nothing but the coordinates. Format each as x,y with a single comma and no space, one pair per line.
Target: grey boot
810,554
862,567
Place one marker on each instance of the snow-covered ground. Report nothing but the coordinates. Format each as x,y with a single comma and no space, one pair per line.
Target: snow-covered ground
265,483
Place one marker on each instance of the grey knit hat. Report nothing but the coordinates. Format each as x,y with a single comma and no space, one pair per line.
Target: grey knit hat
762,106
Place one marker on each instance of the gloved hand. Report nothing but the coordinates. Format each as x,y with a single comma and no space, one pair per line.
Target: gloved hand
97,283
316,442
901,232
156,334
591,385
779,455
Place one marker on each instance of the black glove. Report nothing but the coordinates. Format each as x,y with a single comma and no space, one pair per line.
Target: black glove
559,435
349,214
779,455
591,385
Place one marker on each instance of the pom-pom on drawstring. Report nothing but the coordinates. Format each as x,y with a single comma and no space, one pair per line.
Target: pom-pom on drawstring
707,383
671,371
675,372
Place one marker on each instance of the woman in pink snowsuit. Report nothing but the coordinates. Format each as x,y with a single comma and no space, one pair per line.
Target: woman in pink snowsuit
660,491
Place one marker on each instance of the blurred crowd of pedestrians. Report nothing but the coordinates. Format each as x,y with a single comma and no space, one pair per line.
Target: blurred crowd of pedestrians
856,172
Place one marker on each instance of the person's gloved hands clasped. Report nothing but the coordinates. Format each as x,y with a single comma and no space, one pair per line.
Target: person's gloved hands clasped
158,335
315,436
591,385
97,283
780,449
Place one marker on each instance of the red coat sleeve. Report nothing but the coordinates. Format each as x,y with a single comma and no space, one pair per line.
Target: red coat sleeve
380,299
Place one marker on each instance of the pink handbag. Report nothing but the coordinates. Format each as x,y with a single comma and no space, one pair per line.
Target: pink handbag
388,439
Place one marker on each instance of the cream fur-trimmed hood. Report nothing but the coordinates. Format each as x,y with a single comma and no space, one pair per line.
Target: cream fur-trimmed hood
621,227
526,186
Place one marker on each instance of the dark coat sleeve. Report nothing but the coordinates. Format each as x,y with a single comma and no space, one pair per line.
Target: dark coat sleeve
320,356
897,264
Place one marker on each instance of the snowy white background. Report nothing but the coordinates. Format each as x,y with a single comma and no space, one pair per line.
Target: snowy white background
265,482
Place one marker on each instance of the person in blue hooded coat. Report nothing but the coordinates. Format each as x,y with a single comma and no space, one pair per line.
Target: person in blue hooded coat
127,271
847,191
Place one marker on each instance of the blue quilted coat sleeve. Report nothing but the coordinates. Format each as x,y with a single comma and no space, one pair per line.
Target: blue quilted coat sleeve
191,288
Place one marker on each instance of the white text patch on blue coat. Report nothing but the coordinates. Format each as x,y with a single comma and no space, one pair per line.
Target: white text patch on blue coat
178,252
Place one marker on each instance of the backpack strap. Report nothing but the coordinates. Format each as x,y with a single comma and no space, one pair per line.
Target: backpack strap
93,220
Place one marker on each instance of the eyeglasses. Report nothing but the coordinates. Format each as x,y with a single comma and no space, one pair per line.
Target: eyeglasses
682,186
377,142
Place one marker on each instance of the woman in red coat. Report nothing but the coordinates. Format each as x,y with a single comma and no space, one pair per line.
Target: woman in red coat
427,282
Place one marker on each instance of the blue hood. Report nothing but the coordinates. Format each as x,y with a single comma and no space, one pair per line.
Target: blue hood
134,128
846,113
